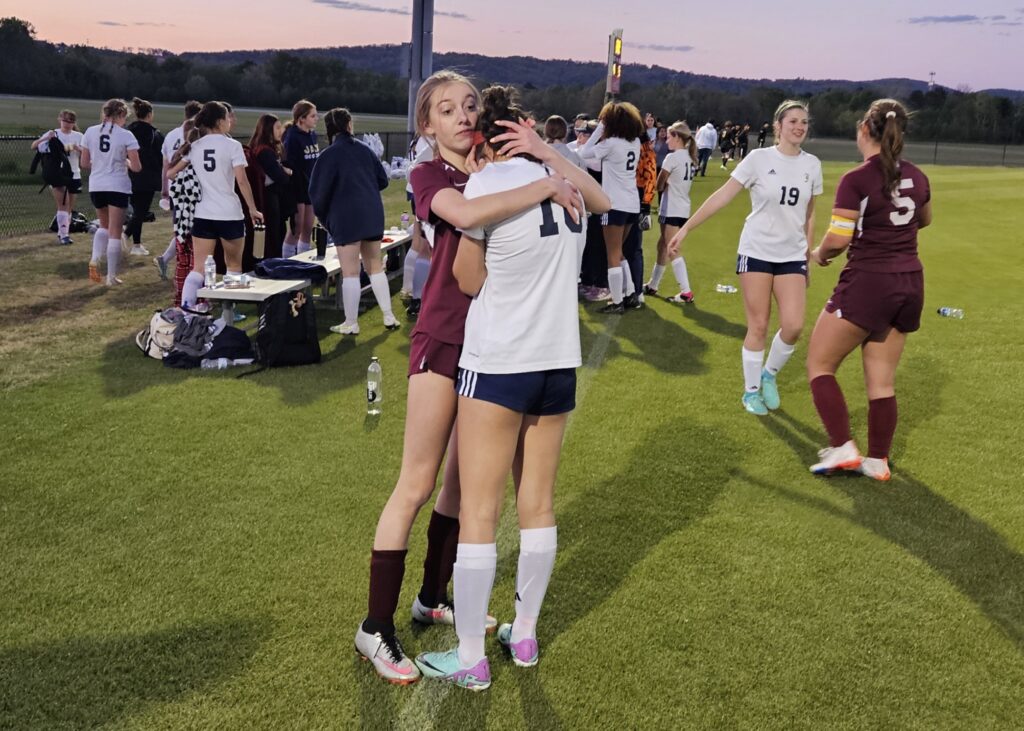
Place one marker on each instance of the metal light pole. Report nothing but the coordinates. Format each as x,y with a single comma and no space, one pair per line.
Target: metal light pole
421,57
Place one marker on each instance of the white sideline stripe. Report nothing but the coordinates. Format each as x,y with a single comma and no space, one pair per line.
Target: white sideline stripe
422,711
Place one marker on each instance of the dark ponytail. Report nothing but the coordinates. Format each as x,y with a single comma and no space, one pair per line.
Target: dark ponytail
142,108
886,123
209,116
500,103
337,121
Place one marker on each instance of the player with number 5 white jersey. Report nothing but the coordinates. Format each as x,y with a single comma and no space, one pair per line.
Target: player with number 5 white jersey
783,182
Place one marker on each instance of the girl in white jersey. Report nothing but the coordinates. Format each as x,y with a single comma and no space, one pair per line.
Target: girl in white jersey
674,181
417,258
517,385
219,164
109,151
68,135
616,144
783,181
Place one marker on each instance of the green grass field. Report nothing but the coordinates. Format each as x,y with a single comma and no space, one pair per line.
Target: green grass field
190,550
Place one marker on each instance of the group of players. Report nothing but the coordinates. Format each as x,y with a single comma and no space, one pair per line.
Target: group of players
494,352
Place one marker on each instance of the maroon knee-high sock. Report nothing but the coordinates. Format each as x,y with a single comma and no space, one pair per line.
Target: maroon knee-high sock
831,406
442,545
387,568
881,426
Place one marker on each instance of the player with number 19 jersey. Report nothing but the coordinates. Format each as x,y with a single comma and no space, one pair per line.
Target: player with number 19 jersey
525,317
214,158
781,187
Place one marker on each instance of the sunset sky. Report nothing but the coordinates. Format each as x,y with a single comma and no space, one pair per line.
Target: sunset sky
978,46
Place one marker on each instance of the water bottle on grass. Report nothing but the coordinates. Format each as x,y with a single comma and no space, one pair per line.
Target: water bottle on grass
373,384
725,288
955,312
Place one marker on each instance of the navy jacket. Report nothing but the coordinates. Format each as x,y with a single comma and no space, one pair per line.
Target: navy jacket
345,191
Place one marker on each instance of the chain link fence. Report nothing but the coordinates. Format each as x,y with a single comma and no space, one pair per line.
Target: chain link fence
25,209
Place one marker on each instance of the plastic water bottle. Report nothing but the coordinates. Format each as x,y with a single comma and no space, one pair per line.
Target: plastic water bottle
373,383
725,288
210,268
955,312
405,221
221,364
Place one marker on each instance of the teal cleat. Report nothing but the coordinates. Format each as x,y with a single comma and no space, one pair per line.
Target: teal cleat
446,666
753,403
769,391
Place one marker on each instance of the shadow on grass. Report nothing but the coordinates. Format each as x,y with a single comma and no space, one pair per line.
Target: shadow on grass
714,322
91,682
648,332
67,303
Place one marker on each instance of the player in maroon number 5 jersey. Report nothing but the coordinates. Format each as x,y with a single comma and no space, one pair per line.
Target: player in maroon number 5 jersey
878,210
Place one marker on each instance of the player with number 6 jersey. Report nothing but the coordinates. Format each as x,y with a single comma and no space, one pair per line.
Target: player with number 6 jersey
783,182
880,207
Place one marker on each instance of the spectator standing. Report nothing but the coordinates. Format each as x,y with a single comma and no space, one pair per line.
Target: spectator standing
149,181
68,135
301,150
707,138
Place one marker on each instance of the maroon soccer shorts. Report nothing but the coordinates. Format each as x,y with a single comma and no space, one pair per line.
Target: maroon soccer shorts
428,354
879,301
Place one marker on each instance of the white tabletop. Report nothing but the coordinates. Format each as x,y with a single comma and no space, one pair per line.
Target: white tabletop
259,290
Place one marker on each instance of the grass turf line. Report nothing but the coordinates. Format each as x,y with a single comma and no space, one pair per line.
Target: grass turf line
186,549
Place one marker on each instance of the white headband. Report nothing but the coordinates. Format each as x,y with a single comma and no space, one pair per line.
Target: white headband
890,114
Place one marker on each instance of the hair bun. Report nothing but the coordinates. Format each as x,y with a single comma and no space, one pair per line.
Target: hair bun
891,114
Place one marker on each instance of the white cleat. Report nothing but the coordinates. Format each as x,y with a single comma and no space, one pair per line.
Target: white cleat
875,468
346,328
388,658
843,457
443,613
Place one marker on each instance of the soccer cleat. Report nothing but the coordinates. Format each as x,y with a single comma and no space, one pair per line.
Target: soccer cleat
405,294
843,457
877,468
65,241
391,322
139,250
754,403
525,653
412,309
446,666
598,294
443,613
632,302
346,329
239,317
94,272
114,281
685,298
649,290
612,309
161,266
769,390
386,655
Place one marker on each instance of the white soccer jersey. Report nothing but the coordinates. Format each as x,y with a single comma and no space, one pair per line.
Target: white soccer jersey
108,146
214,158
781,188
591,164
619,159
675,202
421,153
71,139
526,316
174,139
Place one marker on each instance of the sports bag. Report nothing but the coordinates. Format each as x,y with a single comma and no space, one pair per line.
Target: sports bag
286,335
157,339
55,164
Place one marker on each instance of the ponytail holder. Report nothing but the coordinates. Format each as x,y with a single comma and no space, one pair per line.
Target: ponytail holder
890,114
478,138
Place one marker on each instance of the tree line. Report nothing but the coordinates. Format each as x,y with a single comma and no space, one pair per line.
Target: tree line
278,78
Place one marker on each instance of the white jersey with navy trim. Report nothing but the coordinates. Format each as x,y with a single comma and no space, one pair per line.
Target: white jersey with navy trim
781,188
422,152
72,139
675,202
526,316
174,139
108,145
619,159
214,158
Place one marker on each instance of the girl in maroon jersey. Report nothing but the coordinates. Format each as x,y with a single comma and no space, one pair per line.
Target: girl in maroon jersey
447,109
878,210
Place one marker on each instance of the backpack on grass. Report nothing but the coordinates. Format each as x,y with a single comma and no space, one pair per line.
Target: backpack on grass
286,335
157,339
78,224
55,164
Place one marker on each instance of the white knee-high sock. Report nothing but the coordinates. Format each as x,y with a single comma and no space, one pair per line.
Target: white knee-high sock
752,361
409,269
615,284
63,223
381,291
99,245
288,250
779,354
419,277
537,547
656,274
679,269
627,278
171,251
113,256
302,247
193,282
475,564
350,291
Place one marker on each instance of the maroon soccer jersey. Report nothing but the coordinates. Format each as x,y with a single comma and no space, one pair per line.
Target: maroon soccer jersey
886,235
444,306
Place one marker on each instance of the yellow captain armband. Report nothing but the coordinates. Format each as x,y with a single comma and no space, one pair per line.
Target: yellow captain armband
842,226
